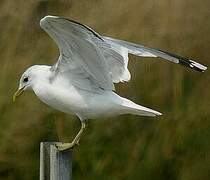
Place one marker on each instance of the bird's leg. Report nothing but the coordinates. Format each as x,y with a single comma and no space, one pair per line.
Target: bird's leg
65,146
79,134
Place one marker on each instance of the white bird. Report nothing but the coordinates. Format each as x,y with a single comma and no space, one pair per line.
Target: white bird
82,81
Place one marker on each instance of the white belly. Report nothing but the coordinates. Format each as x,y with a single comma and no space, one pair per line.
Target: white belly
84,104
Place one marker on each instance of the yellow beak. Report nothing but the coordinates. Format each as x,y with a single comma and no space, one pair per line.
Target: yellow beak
18,93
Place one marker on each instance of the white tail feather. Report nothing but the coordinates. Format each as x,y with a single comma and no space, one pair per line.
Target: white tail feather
133,108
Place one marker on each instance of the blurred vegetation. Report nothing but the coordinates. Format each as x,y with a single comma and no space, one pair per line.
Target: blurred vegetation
177,146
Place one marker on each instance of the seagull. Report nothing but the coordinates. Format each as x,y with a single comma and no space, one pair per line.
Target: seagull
81,82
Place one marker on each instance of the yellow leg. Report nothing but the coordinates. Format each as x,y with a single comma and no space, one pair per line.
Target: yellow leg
65,146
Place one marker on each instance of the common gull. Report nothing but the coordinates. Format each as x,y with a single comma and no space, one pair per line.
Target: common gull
82,81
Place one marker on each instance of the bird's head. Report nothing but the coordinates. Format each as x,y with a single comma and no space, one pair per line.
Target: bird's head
28,79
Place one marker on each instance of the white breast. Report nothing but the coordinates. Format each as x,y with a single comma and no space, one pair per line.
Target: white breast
67,100
84,104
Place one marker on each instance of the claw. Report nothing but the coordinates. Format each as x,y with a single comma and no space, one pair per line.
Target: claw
65,146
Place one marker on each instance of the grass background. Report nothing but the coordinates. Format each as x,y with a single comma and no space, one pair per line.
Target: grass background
177,146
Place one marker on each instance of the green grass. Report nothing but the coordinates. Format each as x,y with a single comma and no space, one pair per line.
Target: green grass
175,147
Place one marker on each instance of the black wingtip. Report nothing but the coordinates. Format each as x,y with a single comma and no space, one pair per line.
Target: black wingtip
187,62
194,65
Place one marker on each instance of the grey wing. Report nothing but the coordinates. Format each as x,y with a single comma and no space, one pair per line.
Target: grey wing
140,50
80,61
91,61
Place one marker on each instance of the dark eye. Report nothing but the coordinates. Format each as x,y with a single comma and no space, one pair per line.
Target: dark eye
25,79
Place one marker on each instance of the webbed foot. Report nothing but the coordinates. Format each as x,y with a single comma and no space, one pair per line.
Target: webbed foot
66,146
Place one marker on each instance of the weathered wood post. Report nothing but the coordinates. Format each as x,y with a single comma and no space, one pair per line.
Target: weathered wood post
54,164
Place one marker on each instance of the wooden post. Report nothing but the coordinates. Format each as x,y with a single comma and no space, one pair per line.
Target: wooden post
54,164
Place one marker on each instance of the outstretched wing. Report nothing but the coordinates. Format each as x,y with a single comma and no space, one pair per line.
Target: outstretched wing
140,50
90,61
81,61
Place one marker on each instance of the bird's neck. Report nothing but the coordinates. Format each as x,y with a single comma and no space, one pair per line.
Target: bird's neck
41,75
